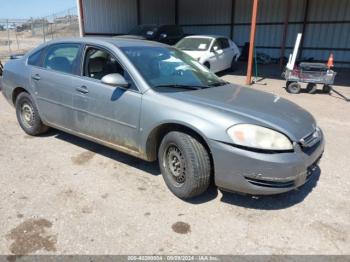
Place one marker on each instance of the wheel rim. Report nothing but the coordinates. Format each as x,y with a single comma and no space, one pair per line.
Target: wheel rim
27,115
293,88
175,164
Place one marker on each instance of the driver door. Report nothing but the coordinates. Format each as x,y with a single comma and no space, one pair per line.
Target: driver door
107,113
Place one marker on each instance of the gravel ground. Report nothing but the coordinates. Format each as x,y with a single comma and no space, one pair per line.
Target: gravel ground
64,195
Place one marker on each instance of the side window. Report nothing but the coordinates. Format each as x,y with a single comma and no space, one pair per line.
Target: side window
99,63
173,31
178,31
63,58
224,43
217,44
164,30
35,59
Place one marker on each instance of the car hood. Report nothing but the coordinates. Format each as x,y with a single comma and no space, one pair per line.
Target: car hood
195,54
253,106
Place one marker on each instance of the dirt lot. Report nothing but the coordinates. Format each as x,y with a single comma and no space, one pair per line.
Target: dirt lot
64,195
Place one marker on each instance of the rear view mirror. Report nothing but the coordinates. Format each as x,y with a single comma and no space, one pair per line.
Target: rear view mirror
116,80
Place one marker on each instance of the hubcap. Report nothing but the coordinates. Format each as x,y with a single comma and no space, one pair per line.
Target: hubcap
175,164
27,115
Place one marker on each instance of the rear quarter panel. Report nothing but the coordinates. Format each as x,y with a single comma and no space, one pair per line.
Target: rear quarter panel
16,74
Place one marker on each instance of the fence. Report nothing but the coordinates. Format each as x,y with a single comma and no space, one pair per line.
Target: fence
17,36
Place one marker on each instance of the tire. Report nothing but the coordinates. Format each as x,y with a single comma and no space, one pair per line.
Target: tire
28,115
311,88
185,165
293,88
233,65
327,89
207,65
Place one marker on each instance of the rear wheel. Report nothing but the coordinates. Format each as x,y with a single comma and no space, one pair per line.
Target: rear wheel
293,87
28,115
311,88
327,89
233,64
185,165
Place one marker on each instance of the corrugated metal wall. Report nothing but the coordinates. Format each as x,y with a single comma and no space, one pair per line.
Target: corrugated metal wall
204,13
157,11
214,17
109,16
331,36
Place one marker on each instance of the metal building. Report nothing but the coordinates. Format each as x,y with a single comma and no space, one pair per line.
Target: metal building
325,24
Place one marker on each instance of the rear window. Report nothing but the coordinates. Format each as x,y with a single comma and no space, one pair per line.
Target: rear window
63,58
35,59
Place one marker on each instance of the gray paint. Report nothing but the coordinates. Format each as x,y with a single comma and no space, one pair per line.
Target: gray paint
127,123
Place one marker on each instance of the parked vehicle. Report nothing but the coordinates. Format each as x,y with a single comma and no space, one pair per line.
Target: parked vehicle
154,102
217,53
167,34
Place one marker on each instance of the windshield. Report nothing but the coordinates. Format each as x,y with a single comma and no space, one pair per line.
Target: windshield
194,44
144,30
170,67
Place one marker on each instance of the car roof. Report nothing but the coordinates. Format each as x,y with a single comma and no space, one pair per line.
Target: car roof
207,36
118,42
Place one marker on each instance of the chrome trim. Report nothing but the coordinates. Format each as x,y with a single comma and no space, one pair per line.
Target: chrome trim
312,138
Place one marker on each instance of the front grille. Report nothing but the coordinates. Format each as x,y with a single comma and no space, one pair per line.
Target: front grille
311,139
271,184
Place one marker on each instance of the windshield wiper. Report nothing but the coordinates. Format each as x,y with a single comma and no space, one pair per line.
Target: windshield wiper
190,87
218,84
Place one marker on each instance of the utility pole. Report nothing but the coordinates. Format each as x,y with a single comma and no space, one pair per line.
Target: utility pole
251,44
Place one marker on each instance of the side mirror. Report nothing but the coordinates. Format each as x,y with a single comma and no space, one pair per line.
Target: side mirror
116,80
163,36
215,48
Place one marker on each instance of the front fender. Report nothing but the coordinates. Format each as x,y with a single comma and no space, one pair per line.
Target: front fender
158,110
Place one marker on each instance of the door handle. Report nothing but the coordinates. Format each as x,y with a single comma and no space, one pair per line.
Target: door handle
82,90
36,77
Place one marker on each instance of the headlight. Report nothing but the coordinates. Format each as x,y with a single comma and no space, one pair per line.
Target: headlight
259,137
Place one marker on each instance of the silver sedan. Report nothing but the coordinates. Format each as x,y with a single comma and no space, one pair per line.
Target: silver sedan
155,102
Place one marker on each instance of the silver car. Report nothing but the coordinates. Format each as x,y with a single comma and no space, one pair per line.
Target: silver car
155,102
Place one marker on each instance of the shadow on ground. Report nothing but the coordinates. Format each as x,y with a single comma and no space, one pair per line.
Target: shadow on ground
274,202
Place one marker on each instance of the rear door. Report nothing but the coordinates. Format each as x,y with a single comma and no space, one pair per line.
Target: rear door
107,113
228,53
217,62
53,83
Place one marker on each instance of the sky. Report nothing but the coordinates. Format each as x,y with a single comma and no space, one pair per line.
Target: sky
18,9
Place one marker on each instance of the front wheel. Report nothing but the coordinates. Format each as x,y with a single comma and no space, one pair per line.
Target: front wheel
293,87
207,65
185,165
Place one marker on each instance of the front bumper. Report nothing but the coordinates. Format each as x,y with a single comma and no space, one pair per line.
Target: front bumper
255,173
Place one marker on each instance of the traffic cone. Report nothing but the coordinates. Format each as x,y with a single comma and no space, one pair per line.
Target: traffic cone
330,63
